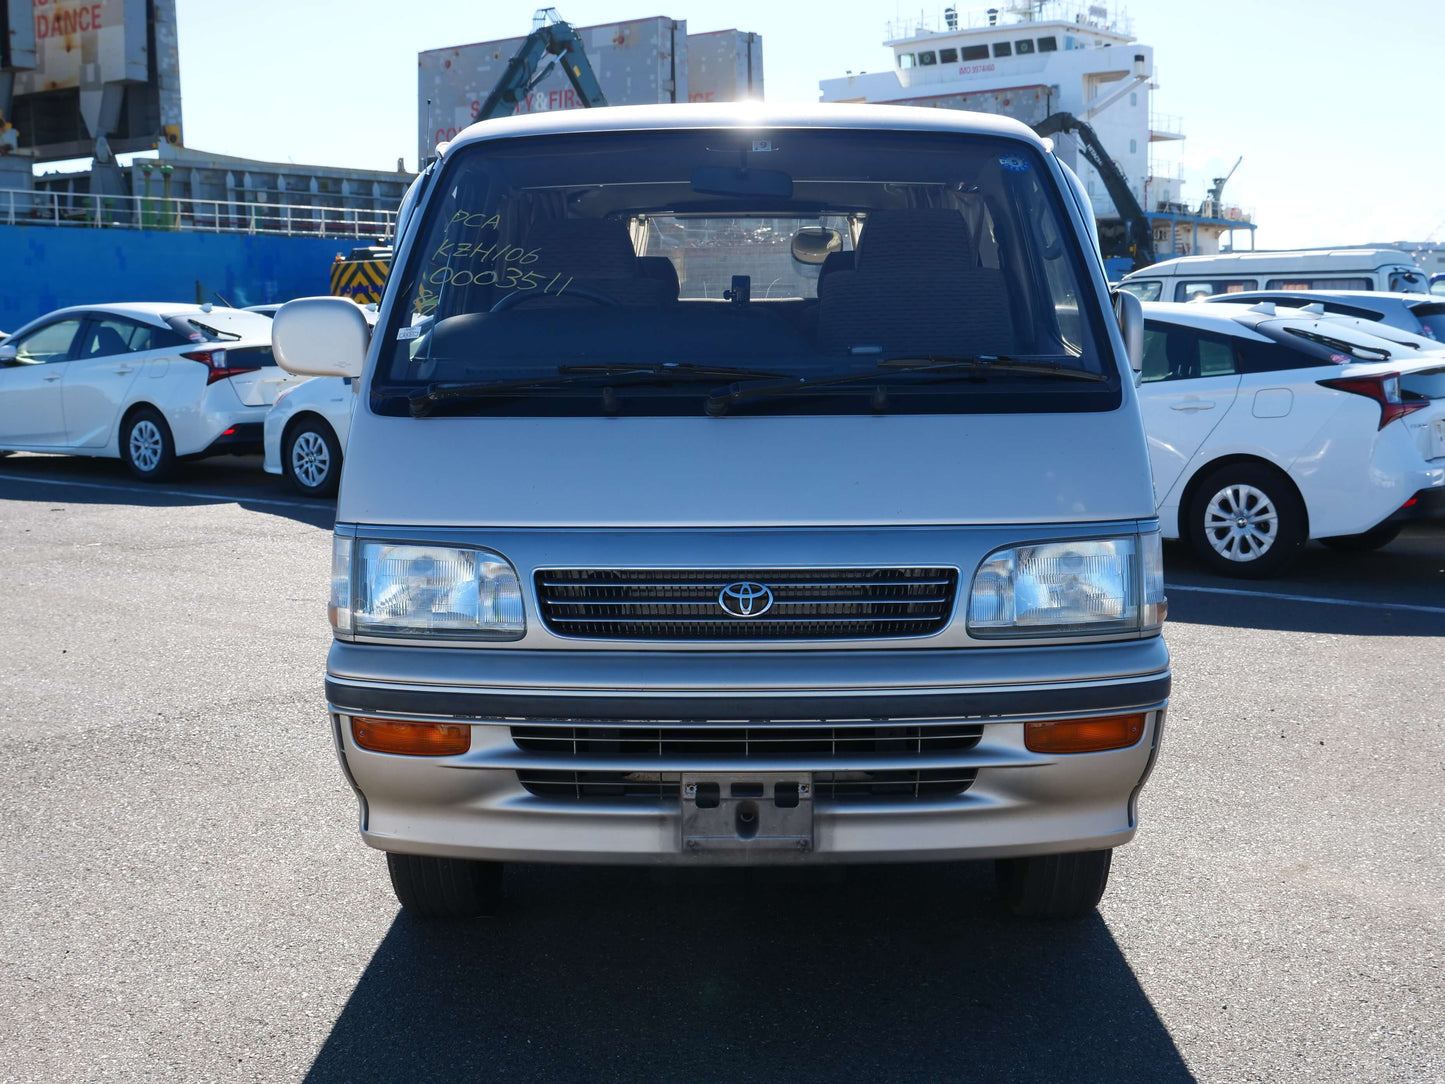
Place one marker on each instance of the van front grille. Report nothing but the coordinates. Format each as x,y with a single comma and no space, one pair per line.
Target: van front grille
872,751
800,604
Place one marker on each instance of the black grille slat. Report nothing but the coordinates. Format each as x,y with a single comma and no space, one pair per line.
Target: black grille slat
808,604
817,743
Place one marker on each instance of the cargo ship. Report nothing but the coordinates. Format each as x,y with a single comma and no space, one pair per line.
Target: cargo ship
1035,59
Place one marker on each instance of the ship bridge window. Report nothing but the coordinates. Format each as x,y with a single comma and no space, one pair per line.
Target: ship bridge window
1049,45
925,59
1024,47
948,56
1002,48
975,52
905,60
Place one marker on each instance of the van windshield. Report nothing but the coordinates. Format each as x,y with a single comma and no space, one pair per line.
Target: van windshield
790,271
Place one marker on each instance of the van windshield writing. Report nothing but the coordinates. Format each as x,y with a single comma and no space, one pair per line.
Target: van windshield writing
645,273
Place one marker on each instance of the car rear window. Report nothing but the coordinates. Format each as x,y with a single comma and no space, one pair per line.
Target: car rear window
1432,320
221,325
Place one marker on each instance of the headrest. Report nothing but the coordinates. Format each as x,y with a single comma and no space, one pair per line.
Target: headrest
834,261
912,241
661,269
586,248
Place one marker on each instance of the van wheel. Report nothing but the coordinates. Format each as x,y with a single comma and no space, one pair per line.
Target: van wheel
1247,520
146,446
311,458
1053,885
445,887
1365,541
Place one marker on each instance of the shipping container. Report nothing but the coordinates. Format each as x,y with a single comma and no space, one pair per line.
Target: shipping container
639,62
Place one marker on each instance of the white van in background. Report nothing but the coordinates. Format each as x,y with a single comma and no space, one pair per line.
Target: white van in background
1193,278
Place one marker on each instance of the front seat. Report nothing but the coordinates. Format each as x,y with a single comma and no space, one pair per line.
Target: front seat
916,289
596,253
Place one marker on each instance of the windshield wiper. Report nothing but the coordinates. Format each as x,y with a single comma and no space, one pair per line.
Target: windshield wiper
216,334
674,369
718,403
986,363
1355,350
424,401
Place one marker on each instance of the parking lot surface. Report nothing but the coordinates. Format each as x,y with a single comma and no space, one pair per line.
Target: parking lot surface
183,894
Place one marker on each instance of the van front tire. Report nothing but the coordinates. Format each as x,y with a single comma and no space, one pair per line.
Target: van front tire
445,888
1056,886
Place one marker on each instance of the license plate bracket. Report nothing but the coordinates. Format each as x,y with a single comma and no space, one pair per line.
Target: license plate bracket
744,812
1437,434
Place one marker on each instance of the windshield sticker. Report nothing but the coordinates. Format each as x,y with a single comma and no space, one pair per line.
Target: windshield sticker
408,333
1013,163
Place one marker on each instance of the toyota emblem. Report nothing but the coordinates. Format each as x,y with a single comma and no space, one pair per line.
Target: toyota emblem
745,599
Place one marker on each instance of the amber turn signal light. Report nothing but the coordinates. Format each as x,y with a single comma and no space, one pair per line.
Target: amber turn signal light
1084,735
411,739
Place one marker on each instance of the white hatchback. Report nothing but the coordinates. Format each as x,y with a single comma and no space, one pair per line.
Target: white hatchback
1271,426
306,431
147,383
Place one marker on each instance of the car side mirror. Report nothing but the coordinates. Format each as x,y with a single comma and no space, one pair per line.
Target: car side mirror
8,355
321,336
1130,314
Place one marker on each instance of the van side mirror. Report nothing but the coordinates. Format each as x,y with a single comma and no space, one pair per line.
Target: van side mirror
8,355
1130,314
320,336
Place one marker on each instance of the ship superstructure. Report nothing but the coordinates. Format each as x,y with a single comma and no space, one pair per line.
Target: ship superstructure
1030,59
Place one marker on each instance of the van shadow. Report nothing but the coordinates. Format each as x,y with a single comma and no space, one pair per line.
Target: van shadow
1368,592
873,973
62,479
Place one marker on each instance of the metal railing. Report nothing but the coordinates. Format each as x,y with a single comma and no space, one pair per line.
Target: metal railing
21,207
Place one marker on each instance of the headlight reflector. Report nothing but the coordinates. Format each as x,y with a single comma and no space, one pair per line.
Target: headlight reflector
422,590
1082,587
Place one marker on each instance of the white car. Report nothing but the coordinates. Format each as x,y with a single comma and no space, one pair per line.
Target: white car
147,383
306,431
1271,426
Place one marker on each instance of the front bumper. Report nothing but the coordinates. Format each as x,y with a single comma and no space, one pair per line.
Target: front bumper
474,805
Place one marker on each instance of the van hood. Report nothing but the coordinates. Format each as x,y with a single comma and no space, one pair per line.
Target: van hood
746,471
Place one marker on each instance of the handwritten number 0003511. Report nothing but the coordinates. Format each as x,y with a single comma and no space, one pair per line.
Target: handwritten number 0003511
509,278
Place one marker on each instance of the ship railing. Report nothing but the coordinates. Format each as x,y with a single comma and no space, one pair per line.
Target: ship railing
1167,124
20,207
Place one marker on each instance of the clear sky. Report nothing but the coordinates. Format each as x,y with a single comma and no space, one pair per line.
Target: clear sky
1331,102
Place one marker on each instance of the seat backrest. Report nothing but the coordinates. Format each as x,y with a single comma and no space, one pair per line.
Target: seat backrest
107,343
833,263
917,290
660,269
597,252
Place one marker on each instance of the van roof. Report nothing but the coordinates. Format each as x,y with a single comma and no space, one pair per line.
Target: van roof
1308,259
624,118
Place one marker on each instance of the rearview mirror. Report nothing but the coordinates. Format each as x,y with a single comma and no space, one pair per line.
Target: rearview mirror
1130,314
723,181
320,336
814,244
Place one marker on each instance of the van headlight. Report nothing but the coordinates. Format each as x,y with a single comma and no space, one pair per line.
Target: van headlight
1082,588
410,590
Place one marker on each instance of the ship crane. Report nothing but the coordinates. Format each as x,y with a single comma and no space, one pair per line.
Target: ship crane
1138,232
550,36
1213,205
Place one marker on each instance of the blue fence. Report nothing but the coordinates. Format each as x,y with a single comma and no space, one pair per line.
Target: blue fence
46,267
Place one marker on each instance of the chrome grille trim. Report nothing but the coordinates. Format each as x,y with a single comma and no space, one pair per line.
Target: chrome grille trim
807,604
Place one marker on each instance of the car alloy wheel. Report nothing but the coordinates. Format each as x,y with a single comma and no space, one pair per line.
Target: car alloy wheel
1241,523
146,445
310,459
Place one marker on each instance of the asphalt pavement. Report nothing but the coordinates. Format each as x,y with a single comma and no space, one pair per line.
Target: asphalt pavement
183,894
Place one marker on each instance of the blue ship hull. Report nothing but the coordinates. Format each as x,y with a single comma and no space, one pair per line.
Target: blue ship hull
46,267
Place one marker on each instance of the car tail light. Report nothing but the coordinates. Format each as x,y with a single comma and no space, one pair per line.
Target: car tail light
1384,389
217,367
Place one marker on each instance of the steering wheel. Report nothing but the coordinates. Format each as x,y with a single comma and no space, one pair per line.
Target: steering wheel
585,293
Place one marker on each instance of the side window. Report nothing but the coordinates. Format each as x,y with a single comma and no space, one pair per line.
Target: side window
1199,289
1306,283
1024,47
111,336
1048,45
1002,48
925,59
975,52
1148,290
1178,353
948,56
47,344
905,60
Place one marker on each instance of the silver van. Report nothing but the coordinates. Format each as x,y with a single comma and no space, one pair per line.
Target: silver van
743,485
1193,278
